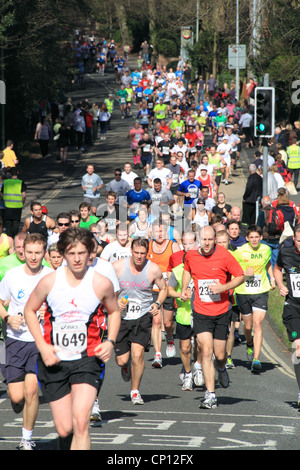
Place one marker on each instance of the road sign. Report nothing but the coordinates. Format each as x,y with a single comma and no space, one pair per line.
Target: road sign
237,56
187,41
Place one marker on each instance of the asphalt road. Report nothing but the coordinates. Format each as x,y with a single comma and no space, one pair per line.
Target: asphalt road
256,412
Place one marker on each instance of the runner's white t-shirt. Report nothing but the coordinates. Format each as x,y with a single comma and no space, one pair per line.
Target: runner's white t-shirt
17,286
114,251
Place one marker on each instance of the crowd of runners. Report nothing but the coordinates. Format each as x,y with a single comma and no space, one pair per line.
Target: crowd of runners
164,256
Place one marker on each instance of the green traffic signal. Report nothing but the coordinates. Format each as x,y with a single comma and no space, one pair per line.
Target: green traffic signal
264,110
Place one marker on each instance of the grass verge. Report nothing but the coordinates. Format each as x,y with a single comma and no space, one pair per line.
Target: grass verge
275,309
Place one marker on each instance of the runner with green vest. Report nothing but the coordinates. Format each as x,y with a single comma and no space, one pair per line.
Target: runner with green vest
14,194
293,154
184,329
110,107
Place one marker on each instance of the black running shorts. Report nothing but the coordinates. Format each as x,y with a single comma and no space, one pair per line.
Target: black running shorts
56,381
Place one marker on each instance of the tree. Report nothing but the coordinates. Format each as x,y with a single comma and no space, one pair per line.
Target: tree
36,61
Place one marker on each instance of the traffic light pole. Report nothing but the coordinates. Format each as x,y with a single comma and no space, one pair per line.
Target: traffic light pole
265,151
265,166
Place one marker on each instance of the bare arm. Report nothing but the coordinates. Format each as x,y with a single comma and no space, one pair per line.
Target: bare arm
185,292
37,297
104,350
218,288
283,290
161,284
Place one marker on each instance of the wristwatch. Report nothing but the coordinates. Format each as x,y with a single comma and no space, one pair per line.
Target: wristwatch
158,303
5,319
111,341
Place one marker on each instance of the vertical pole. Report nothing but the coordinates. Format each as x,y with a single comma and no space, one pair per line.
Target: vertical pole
265,151
237,71
3,104
197,33
197,22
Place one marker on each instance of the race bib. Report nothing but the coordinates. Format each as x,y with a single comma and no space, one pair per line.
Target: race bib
134,308
253,284
193,192
295,284
204,293
122,254
70,339
111,224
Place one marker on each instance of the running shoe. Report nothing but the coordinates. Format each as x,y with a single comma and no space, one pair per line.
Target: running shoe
170,349
198,377
26,445
136,399
256,366
182,374
157,361
126,372
223,378
249,352
96,415
209,402
229,363
187,383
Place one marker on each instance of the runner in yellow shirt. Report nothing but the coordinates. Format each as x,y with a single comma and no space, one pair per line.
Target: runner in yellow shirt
160,110
252,296
129,95
9,157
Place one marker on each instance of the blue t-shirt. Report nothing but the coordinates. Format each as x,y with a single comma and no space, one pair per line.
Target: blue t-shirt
148,92
139,91
136,197
135,78
191,188
143,115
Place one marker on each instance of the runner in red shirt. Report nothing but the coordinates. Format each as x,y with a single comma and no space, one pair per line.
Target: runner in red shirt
211,268
191,136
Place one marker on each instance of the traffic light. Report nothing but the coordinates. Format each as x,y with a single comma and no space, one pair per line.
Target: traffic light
264,112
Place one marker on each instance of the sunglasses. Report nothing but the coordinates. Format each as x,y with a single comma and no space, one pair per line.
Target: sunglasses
75,221
66,224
